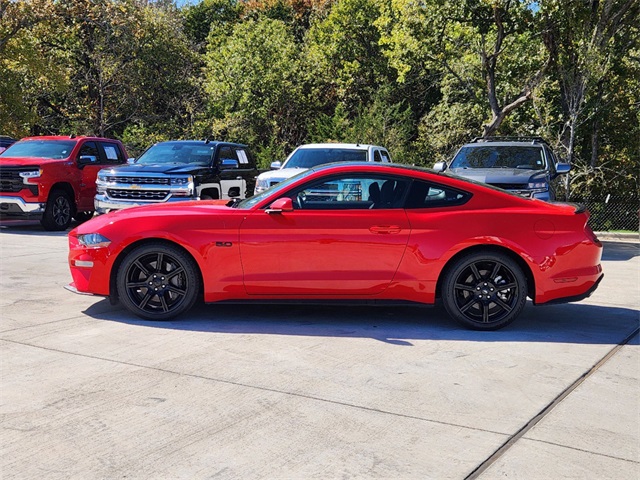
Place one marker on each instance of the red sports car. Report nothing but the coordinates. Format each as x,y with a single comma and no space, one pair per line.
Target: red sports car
347,232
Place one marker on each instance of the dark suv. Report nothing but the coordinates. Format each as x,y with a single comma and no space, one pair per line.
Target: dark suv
522,165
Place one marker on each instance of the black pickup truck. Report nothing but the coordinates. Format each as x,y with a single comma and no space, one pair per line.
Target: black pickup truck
176,171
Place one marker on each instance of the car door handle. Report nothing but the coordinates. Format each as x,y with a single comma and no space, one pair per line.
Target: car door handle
385,229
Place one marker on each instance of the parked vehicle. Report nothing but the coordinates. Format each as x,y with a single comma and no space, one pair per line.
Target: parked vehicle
178,170
522,165
347,232
6,142
313,154
54,178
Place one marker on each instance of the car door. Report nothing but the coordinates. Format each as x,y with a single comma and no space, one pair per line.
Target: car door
89,163
342,238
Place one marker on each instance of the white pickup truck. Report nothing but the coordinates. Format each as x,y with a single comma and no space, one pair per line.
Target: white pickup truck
313,154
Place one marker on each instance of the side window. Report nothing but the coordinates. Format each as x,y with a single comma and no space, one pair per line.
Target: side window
376,156
90,150
385,156
112,153
227,153
431,195
352,193
242,157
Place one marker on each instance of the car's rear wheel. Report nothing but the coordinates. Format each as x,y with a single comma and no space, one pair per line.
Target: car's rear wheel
58,211
158,281
484,290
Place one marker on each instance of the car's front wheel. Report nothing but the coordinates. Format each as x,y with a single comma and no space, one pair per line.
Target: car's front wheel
484,290
158,281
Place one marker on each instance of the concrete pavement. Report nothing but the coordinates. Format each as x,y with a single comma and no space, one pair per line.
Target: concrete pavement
248,392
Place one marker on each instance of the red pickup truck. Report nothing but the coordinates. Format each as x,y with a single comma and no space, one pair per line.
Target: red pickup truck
54,178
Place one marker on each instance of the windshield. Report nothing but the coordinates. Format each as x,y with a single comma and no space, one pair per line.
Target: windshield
177,152
40,149
310,157
271,192
494,156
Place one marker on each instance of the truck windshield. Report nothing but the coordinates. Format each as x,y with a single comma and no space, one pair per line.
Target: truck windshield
494,156
40,149
311,157
177,152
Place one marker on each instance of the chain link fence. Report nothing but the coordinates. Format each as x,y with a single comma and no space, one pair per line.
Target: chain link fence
611,213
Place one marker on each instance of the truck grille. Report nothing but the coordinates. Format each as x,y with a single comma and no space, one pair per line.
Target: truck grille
10,179
148,195
138,180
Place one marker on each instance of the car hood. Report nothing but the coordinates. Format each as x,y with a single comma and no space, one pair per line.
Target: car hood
498,175
26,161
160,168
280,175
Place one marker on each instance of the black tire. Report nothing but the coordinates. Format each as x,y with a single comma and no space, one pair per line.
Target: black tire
58,212
484,290
158,281
83,216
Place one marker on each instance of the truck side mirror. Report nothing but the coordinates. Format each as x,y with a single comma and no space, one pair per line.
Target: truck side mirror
276,165
87,160
229,163
440,167
562,168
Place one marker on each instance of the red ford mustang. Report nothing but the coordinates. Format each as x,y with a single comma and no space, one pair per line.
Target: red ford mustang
351,232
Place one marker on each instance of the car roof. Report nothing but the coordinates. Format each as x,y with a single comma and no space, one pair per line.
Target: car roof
202,142
503,144
356,146
66,137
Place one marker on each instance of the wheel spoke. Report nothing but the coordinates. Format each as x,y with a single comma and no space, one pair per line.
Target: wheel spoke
475,271
466,288
142,268
165,307
159,261
173,273
145,300
496,268
503,305
468,305
137,284
506,286
176,290
485,313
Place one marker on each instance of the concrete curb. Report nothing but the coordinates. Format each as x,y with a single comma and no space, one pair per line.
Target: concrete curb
618,236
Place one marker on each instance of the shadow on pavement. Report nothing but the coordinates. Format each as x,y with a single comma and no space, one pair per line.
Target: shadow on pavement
620,251
567,323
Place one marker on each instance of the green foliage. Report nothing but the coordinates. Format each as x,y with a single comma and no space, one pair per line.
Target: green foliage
420,77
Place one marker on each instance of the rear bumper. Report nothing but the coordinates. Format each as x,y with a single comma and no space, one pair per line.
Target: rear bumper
578,297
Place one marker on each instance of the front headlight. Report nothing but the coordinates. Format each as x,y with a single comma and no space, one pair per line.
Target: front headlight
93,240
181,180
537,185
262,183
28,175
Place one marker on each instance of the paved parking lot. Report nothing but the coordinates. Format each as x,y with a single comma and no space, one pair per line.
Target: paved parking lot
251,392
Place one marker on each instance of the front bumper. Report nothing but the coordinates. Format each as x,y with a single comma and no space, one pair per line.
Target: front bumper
104,204
17,206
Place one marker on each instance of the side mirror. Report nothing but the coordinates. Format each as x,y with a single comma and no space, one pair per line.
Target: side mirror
440,167
131,161
276,165
562,168
87,160
284,204
229,163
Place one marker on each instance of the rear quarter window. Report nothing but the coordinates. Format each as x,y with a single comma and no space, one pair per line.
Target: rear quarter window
431,195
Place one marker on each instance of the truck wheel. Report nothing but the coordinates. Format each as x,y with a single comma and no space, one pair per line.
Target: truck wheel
58,212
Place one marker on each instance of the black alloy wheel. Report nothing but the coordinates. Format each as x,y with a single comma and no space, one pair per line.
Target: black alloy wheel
58,211
484,291
158,281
